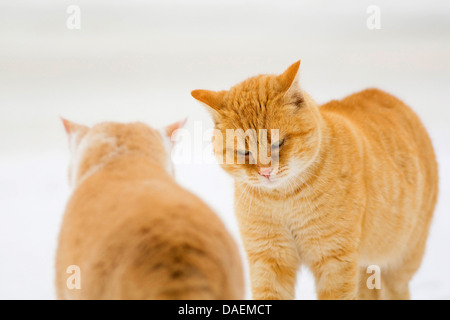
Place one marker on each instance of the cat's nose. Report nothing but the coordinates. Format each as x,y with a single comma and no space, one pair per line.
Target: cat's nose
265,172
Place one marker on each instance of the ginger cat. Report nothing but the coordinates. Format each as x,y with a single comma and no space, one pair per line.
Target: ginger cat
133,232
351,183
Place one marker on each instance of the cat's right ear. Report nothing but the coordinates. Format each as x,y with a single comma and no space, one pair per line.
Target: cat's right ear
172,130
213,99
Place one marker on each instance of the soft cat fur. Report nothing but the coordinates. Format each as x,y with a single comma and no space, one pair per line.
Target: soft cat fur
134,233
355,185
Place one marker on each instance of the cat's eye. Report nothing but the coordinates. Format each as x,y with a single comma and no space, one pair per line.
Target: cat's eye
278,144
243,152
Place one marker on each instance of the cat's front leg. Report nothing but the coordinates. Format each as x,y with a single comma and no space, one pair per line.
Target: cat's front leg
336,277
273,259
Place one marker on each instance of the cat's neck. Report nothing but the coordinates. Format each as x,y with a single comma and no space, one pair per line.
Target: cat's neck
125,165
312,178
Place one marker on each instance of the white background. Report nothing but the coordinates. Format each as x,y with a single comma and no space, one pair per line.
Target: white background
138,60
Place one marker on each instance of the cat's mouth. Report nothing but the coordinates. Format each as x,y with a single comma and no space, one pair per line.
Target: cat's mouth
278,180
273,181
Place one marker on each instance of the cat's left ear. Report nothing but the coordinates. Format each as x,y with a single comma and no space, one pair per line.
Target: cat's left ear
72,127
74,131
171,129
288,81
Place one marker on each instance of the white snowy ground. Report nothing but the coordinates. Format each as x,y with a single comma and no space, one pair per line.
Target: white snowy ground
137,60
33,192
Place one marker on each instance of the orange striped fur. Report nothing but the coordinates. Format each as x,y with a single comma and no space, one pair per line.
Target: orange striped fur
355,185
132,230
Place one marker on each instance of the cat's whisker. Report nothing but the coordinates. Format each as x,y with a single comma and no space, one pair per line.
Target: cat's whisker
245,191
250,203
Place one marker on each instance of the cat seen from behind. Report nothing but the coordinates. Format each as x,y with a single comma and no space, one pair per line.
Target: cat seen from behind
131,230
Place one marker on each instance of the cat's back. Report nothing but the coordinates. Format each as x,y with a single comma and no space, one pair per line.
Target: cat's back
395,157
147,239
368,105
384,121
385,143
392,133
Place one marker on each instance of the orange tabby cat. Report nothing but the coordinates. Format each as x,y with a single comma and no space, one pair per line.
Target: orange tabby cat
352,183
132,231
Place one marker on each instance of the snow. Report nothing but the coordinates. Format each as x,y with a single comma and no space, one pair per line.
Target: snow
139,62
33,192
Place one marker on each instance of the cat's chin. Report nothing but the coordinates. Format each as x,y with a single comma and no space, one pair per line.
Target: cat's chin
272,184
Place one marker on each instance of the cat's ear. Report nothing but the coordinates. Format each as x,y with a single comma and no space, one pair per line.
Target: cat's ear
74,131
72,127
171,129
213,99
288,81
289,77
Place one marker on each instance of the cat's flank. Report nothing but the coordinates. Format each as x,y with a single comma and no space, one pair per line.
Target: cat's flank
131,231
352,183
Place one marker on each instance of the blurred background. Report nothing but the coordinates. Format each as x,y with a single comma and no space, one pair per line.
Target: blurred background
136,60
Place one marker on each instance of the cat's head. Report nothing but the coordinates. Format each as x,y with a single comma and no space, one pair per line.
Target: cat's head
92,148
265,105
